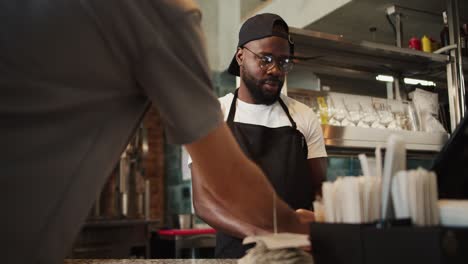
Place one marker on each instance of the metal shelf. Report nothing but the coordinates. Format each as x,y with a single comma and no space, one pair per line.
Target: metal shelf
364,57
357,137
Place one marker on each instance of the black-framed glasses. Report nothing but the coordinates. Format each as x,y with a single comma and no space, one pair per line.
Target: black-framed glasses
267,62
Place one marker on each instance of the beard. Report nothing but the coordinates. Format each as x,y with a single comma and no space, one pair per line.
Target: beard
259,93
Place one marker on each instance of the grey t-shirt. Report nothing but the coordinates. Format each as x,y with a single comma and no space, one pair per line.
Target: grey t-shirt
76,77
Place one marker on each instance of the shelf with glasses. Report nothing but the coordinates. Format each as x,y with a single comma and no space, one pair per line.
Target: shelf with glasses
357,137
334,54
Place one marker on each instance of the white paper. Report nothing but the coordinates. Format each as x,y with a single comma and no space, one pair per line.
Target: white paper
364,164
435,215
395,160
365,186
403,184
327,197
419,206
398,196
280,240
413,204
351,202
338,200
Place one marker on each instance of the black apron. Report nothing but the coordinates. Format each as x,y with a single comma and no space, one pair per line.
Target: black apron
282,155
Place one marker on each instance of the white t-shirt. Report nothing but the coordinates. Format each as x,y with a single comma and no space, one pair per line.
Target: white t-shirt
274,116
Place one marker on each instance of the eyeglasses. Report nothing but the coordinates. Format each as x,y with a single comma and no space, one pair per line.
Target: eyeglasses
267,62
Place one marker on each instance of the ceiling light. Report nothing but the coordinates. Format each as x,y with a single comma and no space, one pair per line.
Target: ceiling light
388,78
384,78
420,82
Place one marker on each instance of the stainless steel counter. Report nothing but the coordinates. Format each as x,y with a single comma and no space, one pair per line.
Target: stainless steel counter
150,261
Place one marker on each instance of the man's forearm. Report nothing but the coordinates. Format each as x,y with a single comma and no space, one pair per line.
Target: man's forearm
238,186
318,173
217,216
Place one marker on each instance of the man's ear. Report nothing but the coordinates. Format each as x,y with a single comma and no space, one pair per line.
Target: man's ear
240,56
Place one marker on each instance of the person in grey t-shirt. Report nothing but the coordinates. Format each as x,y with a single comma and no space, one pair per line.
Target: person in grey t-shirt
76,77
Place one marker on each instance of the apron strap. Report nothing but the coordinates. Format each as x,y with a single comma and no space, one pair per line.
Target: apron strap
286,110
232,110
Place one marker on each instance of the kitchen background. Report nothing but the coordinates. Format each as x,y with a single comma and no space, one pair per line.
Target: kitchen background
156,180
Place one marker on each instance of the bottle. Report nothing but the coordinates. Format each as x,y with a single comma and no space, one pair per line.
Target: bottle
434,44
415,43
323,110
444,34
426,44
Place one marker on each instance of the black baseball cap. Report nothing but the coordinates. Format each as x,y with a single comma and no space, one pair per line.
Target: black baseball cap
258,27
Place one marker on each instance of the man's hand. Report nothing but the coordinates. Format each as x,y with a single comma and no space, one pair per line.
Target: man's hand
305,216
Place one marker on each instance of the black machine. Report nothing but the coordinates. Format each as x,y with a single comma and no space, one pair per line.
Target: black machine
451,164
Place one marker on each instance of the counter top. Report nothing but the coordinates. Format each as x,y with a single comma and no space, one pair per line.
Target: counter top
150,261
120,222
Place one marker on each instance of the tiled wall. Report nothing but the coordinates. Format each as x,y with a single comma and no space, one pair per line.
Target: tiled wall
154,164
342,166
178,190
350,166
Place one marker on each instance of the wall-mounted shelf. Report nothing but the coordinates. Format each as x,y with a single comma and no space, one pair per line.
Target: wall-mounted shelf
337,56
363,57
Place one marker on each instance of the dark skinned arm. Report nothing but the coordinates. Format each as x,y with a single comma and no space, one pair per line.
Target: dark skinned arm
210,211
231,193
318,173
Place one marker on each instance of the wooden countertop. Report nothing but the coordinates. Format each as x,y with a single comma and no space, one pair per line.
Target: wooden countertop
150,261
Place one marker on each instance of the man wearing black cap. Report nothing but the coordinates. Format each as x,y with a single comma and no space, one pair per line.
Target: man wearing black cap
280,134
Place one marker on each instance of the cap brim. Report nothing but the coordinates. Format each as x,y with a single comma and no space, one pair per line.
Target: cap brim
234,66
